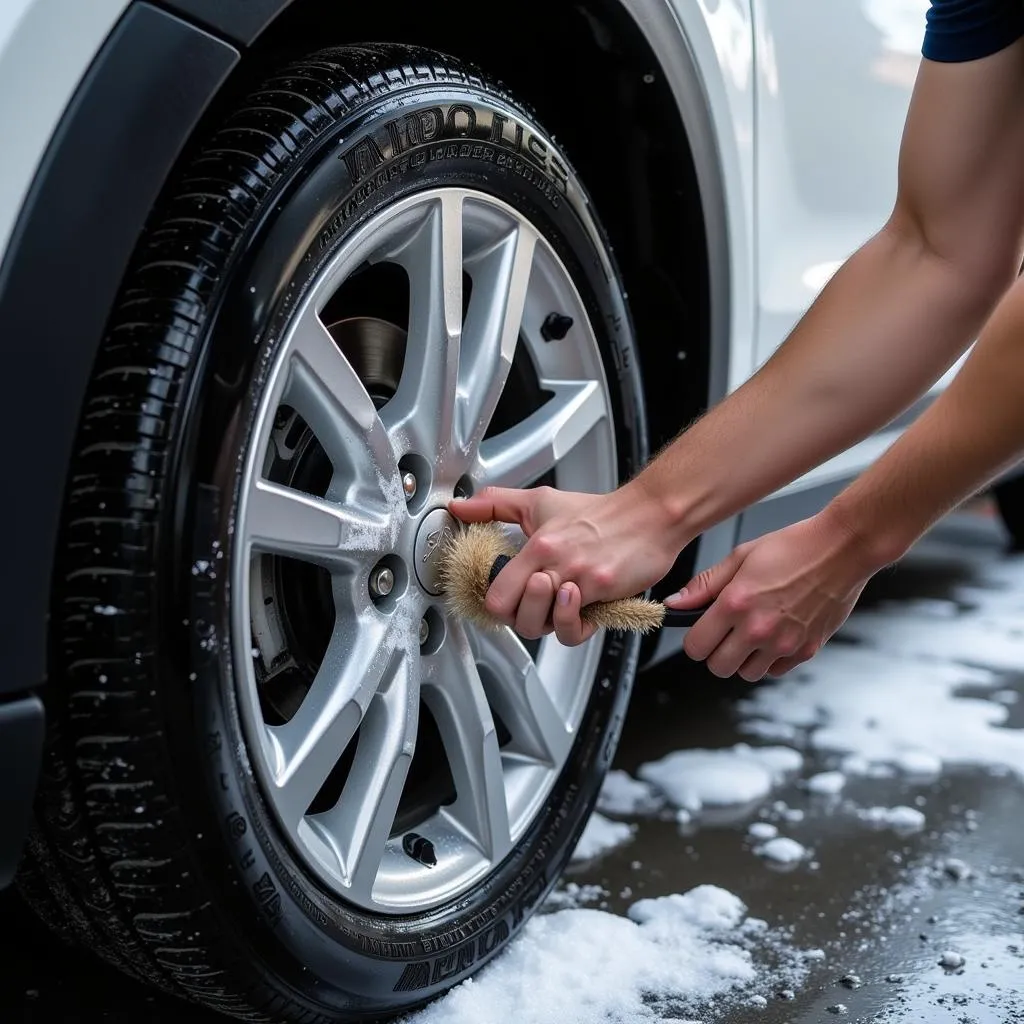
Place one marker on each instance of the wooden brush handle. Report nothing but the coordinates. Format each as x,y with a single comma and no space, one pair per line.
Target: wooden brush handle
683,616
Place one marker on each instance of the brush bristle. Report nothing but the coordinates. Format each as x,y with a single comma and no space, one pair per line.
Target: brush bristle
465,570
629,614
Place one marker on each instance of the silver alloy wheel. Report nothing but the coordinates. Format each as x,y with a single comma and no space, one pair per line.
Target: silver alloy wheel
374,672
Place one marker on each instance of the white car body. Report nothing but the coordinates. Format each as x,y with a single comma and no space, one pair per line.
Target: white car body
805,104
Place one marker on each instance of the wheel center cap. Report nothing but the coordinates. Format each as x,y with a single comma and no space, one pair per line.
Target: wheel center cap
436,529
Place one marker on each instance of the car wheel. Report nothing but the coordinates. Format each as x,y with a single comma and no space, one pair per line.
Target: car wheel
280,778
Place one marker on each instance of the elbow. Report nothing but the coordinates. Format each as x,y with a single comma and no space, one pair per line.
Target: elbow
980,268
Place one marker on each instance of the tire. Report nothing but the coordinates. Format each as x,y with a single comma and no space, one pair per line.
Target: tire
159,840
1009,496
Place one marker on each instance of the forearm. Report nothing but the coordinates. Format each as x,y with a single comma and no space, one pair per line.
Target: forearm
973,431
887,325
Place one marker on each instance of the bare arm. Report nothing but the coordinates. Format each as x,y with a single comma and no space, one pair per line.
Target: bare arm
778,599
974,430
887,325
893,318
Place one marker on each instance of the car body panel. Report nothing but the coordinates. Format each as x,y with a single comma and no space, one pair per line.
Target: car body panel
45,66
825,183
719,34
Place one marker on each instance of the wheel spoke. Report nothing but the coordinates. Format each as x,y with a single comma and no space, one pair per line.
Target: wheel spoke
514,686
283,521
327,392
358,825
455,696
501,275
308,746
520,455
420,412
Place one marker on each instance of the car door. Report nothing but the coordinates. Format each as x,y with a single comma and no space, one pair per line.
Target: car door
834,79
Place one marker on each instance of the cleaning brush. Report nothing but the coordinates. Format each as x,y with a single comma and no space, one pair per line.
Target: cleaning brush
473,557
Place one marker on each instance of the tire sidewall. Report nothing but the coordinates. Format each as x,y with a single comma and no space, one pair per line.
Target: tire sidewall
332,953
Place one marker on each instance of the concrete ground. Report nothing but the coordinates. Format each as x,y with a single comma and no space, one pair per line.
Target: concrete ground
881,905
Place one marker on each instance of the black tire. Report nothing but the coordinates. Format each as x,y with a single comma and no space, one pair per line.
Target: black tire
1009,496
151,843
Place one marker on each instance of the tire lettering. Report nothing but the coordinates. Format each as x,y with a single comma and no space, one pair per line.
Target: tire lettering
415,976
381,948
498,122
364,158
268,897
528,901
414,129
561,173
451,122
422,973
538,149
237,826
414,139
491,939
454,963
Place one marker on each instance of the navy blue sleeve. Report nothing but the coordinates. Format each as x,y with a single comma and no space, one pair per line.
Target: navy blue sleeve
962,30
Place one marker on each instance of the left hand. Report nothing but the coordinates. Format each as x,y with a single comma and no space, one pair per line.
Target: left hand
777,599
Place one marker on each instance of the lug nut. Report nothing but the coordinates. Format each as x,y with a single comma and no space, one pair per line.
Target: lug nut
424,631
409,485
382,581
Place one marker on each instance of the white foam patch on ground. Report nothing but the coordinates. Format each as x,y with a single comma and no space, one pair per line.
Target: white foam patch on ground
601,836
902,819
893,702
826,783
587,967
573,895
782,850
890,711
693,779
621,794
990,639
772,732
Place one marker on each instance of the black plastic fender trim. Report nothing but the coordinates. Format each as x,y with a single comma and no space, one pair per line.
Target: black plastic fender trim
238,20
104,168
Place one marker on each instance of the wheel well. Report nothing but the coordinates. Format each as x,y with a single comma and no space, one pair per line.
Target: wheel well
589,74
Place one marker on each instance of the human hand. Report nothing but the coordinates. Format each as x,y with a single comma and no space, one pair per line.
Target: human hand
777,599
581,548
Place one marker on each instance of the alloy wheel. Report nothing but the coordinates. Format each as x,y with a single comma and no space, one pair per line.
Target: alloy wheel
443,348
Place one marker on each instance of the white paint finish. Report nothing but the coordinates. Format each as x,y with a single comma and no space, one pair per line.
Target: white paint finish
720,36
46,46
834,81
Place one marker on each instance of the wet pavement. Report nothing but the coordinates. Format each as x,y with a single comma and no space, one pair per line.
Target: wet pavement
882,906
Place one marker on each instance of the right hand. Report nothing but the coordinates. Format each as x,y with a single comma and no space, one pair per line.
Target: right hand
581,548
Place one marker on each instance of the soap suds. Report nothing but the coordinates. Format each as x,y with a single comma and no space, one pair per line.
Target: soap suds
667,958
693,779
601,836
